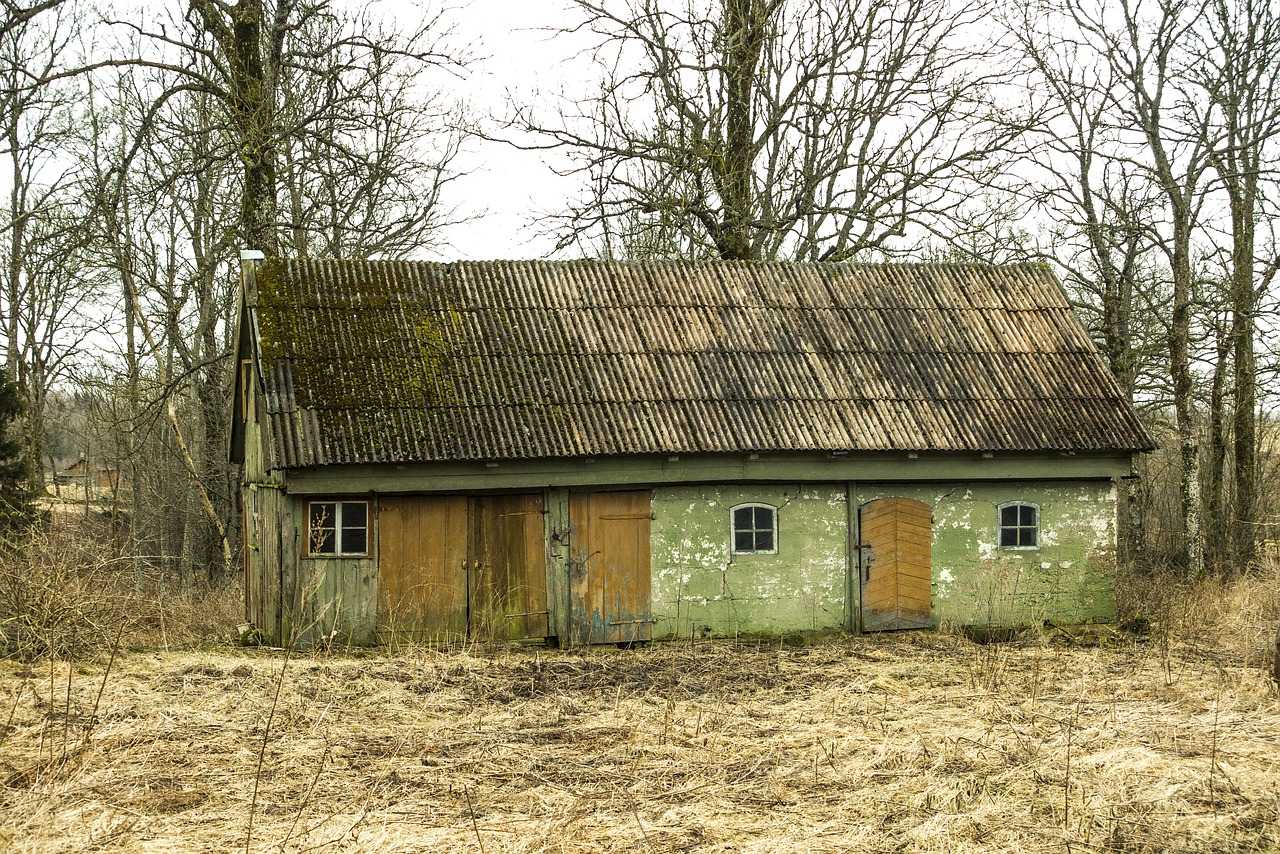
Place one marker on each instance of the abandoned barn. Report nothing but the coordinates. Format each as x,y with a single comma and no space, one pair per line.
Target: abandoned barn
605,452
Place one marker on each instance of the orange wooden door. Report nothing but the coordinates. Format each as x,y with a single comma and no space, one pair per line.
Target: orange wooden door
609,590
896,564
422,569
508,577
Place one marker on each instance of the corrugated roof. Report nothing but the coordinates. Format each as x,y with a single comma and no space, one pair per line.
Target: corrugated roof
396,361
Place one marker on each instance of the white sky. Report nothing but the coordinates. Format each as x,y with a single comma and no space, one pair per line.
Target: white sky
506,187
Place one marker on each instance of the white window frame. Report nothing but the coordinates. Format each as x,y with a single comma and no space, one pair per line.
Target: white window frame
733,528
338,504
1000,526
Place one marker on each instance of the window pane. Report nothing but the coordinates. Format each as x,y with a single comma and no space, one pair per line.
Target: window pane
764,519
743,541
1028,515
354,540
1028,536
1009,516
742,518
764,540
1008,537
323,541
322,517
354,514
323,514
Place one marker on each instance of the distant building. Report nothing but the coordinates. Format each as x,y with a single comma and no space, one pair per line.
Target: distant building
82,473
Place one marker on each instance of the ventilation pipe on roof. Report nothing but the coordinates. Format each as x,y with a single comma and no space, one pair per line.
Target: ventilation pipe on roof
250,261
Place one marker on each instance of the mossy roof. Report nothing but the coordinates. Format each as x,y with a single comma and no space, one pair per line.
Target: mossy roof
395,361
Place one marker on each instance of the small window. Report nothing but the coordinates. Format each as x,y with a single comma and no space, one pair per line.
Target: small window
338,528
755,529
1019,526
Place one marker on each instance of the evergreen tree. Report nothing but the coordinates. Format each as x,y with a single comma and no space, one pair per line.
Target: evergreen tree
16,509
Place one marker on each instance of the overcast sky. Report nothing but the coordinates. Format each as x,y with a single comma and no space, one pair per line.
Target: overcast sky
507,187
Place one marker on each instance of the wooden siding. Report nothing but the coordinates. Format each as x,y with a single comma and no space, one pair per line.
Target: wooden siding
609,572
452,567
269,601
336,599
618,472
559,560
252,571
895,564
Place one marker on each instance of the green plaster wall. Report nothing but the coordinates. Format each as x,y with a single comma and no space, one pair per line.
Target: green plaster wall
1068,579
700,587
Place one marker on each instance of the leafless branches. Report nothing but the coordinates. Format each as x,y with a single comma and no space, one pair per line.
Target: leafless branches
1162,128
752,129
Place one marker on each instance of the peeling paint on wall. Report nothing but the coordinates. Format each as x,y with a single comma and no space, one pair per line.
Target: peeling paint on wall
1068,578
701,588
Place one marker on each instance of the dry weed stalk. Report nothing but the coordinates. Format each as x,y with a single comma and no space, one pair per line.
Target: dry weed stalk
873,743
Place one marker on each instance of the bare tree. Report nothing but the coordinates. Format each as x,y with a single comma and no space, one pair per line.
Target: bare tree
282,126
15,15
369,179
1128,155
769,128
45,299
1240,75
297,76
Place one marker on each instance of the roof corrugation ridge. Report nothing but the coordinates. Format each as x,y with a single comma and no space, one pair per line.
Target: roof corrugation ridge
529,360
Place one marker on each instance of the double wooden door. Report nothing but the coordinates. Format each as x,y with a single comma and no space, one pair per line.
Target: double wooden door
895,568
451,567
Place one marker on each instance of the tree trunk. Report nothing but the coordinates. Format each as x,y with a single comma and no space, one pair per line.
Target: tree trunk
744,28
1244,377
17,231
244,40
1184,398
254,99
1216,512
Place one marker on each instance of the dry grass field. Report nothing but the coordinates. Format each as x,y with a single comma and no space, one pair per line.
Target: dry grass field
906,742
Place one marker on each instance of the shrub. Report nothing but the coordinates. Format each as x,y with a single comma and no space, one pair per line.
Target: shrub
68,596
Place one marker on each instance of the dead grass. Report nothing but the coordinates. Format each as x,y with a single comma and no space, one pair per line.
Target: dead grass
1163,741
915,742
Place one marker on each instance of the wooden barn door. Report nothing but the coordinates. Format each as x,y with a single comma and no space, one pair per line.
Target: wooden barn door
451,567
609,598
895,566
508,578
422,567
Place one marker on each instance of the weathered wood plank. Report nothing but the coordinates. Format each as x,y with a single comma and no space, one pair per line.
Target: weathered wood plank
422,574
508,591
787,468
610,567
